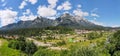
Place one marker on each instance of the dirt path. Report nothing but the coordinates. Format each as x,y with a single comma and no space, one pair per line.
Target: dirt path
57,48
38,43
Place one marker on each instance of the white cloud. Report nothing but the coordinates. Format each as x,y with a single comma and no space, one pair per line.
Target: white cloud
94,10
27,15
2,0
94,15
10,8
65,6
32,1
46,11
97,23
22,5
53,18
79,6
7,16
60,7
52,3
27,12
116,26
80,13
95,18
4,4
25,18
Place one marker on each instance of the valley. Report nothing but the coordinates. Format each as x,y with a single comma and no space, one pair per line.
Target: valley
67,35
59,28
57,41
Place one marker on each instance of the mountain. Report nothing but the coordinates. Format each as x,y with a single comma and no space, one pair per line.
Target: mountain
39,22
65,20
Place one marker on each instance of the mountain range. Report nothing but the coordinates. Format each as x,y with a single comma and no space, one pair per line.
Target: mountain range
65,20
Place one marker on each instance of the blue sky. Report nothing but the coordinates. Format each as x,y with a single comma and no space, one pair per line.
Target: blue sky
101,12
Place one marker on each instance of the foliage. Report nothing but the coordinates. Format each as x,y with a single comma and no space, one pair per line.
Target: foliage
115,42
6,51
94,35
38,31
61,43
30,48
17,45
83,51
26,46
117,53
46,52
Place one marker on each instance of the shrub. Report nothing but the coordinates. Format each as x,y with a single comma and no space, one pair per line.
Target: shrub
61,43
117,53
83,52
26,46
94,35
46,52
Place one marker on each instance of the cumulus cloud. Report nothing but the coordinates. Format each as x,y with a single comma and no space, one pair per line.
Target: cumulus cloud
79,6
65,6
46,11
60,7
94,15
52,3
80,13
26,18
7,16
22,5
32,1
27,15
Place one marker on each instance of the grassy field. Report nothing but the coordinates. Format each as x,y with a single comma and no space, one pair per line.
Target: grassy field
6,51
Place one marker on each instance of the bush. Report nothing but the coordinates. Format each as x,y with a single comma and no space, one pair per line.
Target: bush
117,53
45,52
115,41
83,52
61,43
26,46
13,44
94,35
30,47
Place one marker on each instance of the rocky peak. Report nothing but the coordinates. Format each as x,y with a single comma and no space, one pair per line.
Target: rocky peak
65,15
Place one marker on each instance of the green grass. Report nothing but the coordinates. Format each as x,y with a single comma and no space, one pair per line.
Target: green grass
6,51
97,41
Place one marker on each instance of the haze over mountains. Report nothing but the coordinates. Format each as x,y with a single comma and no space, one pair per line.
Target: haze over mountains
65,20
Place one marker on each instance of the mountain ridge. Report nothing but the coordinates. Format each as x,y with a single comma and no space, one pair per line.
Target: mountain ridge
65,20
